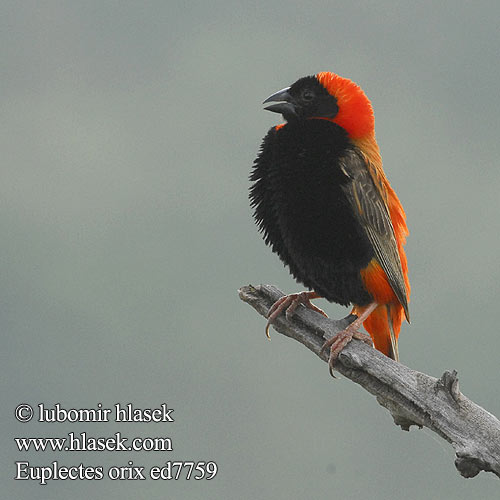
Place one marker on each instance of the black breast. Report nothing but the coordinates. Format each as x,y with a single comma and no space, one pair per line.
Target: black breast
302,211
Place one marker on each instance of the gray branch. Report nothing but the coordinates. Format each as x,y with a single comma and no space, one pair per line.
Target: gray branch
412,398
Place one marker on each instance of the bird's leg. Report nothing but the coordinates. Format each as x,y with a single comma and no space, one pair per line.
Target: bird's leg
341,339
290,303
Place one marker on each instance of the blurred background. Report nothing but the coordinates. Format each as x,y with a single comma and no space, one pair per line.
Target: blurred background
127,135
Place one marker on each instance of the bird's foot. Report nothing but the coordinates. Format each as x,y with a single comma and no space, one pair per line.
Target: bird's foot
289,304
340,340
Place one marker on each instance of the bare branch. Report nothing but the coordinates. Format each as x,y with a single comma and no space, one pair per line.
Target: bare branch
412,398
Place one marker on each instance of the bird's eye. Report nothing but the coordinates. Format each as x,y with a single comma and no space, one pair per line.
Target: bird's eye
307,95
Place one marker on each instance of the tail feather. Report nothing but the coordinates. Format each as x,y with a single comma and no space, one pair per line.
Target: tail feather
383,325
393,351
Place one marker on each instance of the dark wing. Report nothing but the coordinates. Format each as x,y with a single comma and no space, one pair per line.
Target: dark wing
372,213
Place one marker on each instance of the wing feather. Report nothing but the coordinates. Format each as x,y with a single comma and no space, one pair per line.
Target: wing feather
370,209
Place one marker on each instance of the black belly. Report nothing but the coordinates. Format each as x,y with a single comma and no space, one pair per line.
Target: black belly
303,212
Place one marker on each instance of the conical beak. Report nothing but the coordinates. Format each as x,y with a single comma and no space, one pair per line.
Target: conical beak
281,95
285,108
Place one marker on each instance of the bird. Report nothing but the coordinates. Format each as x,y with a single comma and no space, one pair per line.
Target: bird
323,203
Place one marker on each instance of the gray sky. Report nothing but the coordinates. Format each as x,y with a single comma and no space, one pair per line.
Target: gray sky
128,133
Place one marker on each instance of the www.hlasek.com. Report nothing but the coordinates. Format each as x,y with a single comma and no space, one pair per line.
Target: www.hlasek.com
82,442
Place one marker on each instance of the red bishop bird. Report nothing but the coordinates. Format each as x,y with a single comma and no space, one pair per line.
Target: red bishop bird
325,206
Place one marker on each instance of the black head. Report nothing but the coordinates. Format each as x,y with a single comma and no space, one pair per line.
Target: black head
306,98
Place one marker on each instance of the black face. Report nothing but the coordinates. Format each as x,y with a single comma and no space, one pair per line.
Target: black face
306,98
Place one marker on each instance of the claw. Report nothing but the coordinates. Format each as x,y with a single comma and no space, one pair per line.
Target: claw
289,304
340,340
268,325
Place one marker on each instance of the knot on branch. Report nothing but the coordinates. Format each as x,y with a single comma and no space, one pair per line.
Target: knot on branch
470,466
448,383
